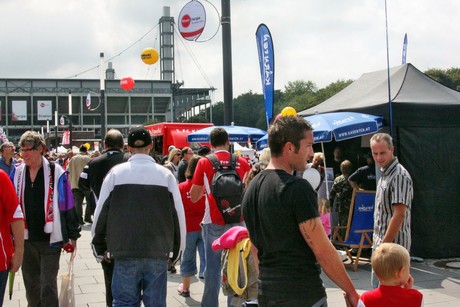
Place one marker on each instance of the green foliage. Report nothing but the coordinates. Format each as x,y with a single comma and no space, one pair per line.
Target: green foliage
332,89
200,118
448,77
299,88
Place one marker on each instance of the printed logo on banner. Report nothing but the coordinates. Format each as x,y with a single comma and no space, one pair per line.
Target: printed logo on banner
44,110
192,20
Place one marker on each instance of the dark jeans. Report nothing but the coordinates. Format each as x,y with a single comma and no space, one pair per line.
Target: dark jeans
108,274
78,196
3,280
266,301
39,270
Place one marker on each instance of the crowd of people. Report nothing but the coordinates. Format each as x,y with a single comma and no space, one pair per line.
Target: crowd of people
287,225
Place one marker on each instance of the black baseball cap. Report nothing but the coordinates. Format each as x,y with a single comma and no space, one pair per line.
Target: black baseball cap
139,137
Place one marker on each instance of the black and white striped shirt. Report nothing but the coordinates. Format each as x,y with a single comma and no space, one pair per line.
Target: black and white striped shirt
394,187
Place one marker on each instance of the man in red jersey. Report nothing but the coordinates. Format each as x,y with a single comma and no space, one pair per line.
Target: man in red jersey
213,223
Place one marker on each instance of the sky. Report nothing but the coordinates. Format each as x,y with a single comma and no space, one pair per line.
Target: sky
322,41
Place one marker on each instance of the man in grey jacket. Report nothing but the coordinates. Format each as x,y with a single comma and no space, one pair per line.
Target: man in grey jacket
134,196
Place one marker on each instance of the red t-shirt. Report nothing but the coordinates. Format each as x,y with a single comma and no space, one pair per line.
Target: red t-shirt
10,211
392,296
204,167
193,211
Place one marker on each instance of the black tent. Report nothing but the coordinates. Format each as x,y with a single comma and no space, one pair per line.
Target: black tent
426,130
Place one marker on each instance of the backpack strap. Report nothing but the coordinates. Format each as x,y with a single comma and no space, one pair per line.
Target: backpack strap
216,164
233,159
214,161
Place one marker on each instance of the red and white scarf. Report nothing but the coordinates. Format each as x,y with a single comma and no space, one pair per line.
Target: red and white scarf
49,206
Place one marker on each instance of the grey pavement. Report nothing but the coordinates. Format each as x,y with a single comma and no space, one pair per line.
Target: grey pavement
440,287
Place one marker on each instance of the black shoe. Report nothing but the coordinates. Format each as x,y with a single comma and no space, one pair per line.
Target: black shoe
172,269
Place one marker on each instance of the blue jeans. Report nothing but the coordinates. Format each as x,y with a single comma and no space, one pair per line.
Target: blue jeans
212,274
188,266
135,277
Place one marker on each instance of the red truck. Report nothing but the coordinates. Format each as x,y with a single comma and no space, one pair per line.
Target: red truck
167,134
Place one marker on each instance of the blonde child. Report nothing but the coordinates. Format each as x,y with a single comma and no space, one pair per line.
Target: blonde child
324,211
391,264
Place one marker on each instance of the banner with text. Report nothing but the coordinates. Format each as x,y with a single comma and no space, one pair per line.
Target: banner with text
19,110
404,51
44,110
267,68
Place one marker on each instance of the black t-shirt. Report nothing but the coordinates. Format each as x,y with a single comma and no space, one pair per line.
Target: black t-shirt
365,177
181,170
34,202
274,205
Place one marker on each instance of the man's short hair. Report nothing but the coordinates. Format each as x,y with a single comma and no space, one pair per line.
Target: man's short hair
114,139
6,144
33,139
388,259
318,155
219,137
346,167
83,148
378,137
287,129
203,151
184,151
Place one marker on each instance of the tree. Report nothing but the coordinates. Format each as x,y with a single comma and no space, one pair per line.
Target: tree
298,88
332,89
249,110
449,77
200,118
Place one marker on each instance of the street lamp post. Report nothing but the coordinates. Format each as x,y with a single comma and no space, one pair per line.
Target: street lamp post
70,119
102,88
56,130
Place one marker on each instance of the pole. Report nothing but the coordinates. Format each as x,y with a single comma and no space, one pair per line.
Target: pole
227,62
102,87
390,104
70,119
55,130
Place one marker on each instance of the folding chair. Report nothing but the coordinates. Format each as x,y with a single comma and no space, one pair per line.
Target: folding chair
359,228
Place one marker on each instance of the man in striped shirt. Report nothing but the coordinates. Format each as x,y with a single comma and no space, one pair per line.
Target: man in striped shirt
393,199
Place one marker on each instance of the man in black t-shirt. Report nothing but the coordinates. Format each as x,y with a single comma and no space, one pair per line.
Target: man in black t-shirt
280,211
364,177
187,154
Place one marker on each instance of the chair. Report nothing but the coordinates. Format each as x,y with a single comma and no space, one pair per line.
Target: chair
359,228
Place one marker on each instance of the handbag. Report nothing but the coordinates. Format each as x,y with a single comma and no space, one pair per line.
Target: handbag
66,295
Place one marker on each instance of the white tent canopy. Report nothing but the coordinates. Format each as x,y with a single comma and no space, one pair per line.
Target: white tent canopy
243,150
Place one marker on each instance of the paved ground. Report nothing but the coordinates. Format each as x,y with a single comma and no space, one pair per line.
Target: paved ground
440,287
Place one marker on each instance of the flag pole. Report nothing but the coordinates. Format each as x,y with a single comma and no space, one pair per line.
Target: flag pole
102,91
388,73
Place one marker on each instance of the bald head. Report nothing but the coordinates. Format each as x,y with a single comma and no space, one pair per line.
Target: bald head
114,139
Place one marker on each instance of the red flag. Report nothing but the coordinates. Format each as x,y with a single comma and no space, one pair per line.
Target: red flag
88,101
66,137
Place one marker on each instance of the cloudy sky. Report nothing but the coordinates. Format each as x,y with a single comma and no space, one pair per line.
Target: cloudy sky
321,40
